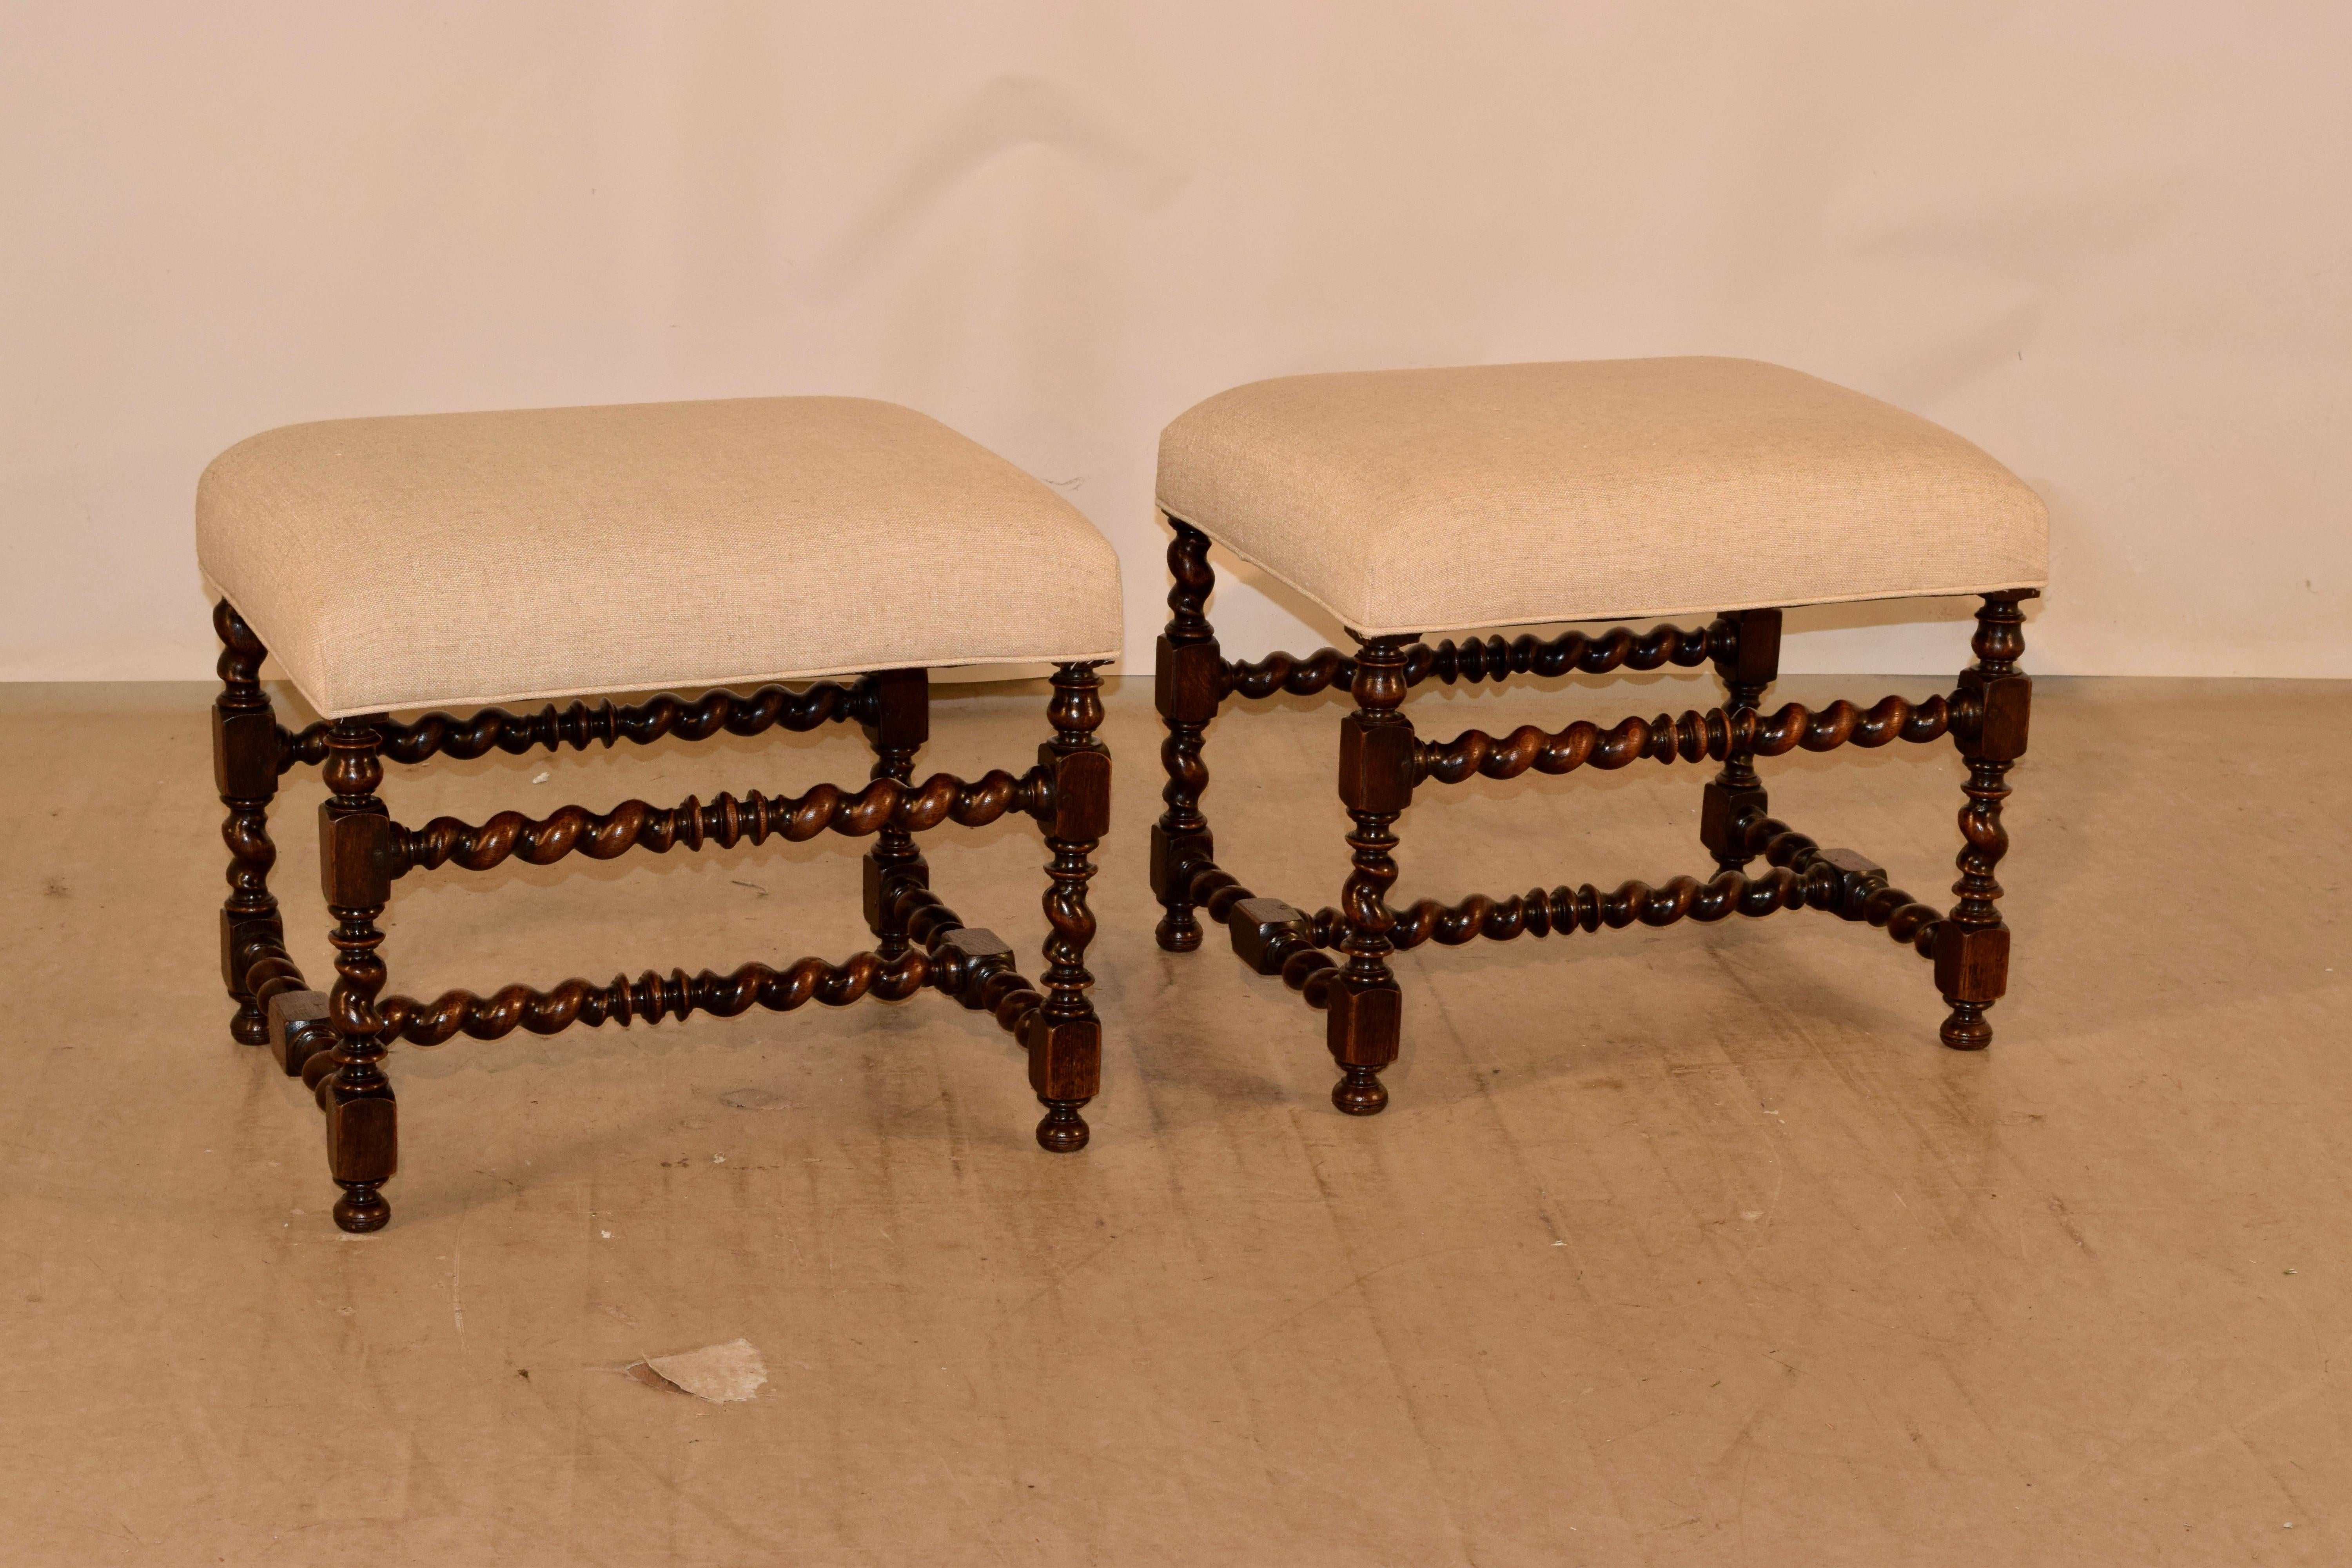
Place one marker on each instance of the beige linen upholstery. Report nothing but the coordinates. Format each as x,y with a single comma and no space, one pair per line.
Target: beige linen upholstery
472,558
1424,501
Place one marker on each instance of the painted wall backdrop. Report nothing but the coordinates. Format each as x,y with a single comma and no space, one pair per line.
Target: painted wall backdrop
2106,239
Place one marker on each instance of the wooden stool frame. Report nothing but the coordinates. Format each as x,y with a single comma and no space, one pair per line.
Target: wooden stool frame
336,1042
1382,761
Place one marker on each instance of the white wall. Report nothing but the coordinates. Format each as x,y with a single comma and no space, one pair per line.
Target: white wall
2108,241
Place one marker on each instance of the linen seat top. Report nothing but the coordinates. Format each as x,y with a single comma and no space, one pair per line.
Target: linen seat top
1424,501
485,558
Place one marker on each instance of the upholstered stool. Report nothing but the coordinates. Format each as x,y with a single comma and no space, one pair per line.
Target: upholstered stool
493,558
1415,501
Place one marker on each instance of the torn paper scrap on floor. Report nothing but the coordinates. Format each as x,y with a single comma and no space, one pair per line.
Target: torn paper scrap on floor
715,1372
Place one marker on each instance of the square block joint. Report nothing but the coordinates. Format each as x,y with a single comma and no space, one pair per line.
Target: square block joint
2006,708
972,953
1265,931
354,857
1756,660
236,935
1971,961
1184,681
1376,762
880,877
300,1025
1081,794
902,710
1722,818
1858,877
1175,856
363,1134
1364,1025
245,754
1065,1057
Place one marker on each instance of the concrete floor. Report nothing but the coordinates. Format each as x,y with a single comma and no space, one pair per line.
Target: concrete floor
1680,1247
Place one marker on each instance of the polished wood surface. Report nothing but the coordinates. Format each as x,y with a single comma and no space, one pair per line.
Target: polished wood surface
1187,686
580,725
1382,763
1972,949
337,1041
362,1140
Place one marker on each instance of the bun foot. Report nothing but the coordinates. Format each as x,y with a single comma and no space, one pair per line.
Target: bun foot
249,1026
1967,1028
1064,1130
1361,1092
361,1209
1178,936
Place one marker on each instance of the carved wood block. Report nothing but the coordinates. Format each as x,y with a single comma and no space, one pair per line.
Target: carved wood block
1265,931
971,954
1858,878
1184,681
363,1134
902,710
1971,961
880,878
1065,1057
2008,705
1723,816
240,939
1174,858
298,1029
1757,660
1081,794
354,857
245,754
1375,764
1364,1025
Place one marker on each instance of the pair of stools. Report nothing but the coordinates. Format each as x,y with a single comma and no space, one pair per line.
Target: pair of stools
486,558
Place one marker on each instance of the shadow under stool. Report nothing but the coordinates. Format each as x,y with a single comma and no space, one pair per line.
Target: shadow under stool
482,559
1407,502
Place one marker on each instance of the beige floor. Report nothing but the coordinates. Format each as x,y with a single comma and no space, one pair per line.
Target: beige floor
1682,1246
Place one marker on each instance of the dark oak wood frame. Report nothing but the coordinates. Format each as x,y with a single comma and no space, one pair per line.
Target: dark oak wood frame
336,1041
1382,761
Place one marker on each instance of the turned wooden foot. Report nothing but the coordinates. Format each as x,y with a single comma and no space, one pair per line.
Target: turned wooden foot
1965,1028
1359,1092
362,1151
1063,1130
361,1209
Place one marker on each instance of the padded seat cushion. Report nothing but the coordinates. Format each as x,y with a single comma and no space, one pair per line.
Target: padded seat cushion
478,558
1425,501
